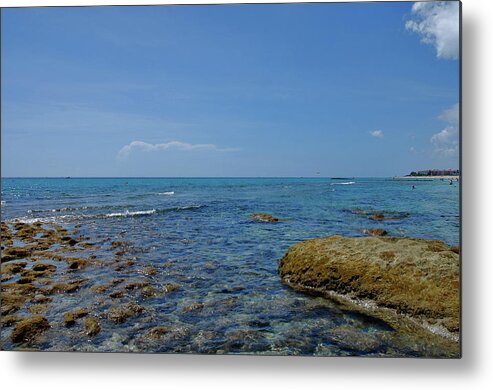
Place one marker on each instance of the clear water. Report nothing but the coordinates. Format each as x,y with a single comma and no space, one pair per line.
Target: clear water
198,234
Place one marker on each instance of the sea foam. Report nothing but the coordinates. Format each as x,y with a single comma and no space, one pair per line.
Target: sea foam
342,184
131,213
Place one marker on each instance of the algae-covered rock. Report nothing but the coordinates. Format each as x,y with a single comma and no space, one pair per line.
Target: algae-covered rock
170,287
69,240
120,314
70,317
9,320
41,267
148,271
77,263
13,268
59,288
413,277
28,329
14,295
374,232
148,292
9,254
91,326
264,218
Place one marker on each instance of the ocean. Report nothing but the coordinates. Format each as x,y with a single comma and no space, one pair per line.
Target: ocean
198,234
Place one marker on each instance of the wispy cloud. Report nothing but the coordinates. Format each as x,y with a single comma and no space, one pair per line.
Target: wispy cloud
444,136
437,23
451,115
377,133
446,142
172,145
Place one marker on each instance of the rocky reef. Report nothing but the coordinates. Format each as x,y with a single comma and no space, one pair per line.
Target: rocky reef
48,272
411,284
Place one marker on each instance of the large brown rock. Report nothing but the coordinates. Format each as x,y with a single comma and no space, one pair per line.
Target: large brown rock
386,276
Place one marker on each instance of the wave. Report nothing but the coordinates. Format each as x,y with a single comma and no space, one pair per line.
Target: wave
3,203
128,213
57,219
60,210
193,207
343,184
124,214
166,193
131,213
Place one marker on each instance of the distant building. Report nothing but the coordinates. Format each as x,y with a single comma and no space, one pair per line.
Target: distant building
436,172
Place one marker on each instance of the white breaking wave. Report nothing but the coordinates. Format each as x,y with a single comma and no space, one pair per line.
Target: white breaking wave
131,213
342,184
57,219
167,193
3,203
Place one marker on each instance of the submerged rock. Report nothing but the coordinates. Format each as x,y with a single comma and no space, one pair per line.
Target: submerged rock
158,332
38,309
76,263
69,240
13,268
9,320
148,292
374,232
59,288
170,287
14,295
70,317
377,217
117,294
413,277
29,329
9,254
120,314
148,271
264,218
91,326
41,267
193,307
351,339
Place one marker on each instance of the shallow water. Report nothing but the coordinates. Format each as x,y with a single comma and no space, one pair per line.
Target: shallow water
197,233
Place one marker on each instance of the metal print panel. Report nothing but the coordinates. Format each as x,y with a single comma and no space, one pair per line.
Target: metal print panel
271,179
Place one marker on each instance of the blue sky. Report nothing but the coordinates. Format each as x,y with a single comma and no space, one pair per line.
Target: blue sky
368,89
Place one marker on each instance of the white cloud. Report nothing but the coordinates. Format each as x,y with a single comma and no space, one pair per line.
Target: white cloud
376,133
437,23
172,145
444,136
446,142
451,115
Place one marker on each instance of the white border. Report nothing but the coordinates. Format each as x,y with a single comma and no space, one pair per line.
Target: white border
474,371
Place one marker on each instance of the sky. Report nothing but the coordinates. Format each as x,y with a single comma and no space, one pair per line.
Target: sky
342,89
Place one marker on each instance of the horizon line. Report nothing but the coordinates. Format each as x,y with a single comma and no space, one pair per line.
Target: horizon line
196,177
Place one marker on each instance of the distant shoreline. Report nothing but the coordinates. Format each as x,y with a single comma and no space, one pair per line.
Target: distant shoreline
426,177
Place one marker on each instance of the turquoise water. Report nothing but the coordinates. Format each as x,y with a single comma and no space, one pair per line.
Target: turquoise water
198,234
